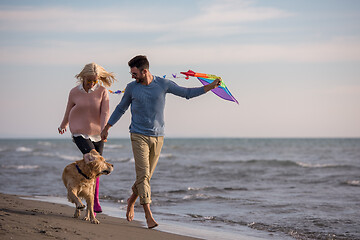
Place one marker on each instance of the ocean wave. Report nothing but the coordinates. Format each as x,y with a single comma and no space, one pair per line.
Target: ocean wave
205,189
114,146
206,197
198,196
215,219
281,163
121,160
272,162
45,143
45,154
299,232
318,165
354,183
203,196
166,155
57,155
20,167
113,198
69,158
235,189
24,149
302,233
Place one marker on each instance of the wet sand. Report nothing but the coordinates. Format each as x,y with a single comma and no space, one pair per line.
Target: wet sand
29,219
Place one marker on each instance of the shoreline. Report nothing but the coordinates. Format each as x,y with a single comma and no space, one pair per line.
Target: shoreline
30,217
22,218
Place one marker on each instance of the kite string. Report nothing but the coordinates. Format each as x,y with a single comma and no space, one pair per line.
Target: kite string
173,75
117,91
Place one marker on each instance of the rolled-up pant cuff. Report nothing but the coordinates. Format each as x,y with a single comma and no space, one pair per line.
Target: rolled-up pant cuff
145,198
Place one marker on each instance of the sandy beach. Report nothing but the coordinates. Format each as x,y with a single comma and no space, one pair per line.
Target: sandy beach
246,189
28,219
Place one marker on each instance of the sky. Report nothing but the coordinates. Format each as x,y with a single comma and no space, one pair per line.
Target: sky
294,66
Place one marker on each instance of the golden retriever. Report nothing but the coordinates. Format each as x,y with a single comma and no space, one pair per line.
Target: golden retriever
79,179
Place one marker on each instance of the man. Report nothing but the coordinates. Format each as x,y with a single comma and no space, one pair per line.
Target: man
146,96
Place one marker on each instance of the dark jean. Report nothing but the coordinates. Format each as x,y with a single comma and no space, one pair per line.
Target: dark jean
86,145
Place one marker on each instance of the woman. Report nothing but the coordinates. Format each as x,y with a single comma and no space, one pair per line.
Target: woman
87,112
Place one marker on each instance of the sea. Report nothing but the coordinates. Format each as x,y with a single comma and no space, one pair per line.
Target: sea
212,188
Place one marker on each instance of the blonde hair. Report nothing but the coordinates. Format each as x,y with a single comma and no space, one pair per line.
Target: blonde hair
90,69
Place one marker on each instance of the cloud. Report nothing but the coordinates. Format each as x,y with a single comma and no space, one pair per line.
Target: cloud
220,17
159,33
234,12
71,20
76,53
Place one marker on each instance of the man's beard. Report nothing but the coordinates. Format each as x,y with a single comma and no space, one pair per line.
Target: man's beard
140,80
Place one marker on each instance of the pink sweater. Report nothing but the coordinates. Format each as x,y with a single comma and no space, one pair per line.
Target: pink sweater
87,113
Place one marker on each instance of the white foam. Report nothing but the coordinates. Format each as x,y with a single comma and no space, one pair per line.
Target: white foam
65,157
203,233
166,155
118,159
44,143
24,149
309,165
113,146
20,167
45,154
353,182
70,158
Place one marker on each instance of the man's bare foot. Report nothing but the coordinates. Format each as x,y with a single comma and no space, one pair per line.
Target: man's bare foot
130,207
130,211
151,222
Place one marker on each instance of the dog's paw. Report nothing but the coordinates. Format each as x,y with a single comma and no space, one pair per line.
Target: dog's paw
95,221
86,218
77,214
81,207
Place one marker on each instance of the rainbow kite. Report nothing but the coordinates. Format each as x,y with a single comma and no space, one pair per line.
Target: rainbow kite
222,91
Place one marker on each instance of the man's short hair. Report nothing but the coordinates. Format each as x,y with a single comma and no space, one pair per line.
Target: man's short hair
139,62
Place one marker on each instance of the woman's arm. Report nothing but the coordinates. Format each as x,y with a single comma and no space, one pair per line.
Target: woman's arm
65,121
104,109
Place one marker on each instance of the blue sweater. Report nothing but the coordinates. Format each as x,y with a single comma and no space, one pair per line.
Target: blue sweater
148,103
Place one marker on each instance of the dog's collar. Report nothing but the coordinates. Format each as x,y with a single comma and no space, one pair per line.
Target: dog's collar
79,170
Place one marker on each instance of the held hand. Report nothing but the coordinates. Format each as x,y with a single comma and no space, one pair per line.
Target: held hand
104,134
61,130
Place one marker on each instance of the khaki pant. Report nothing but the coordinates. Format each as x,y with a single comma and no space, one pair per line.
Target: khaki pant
146,151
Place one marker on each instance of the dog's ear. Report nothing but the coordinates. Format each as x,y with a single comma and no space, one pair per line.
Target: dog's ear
94,152
91,156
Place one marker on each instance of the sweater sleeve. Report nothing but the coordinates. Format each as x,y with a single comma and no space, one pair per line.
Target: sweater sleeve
70,105
121,107
184,92
104,109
